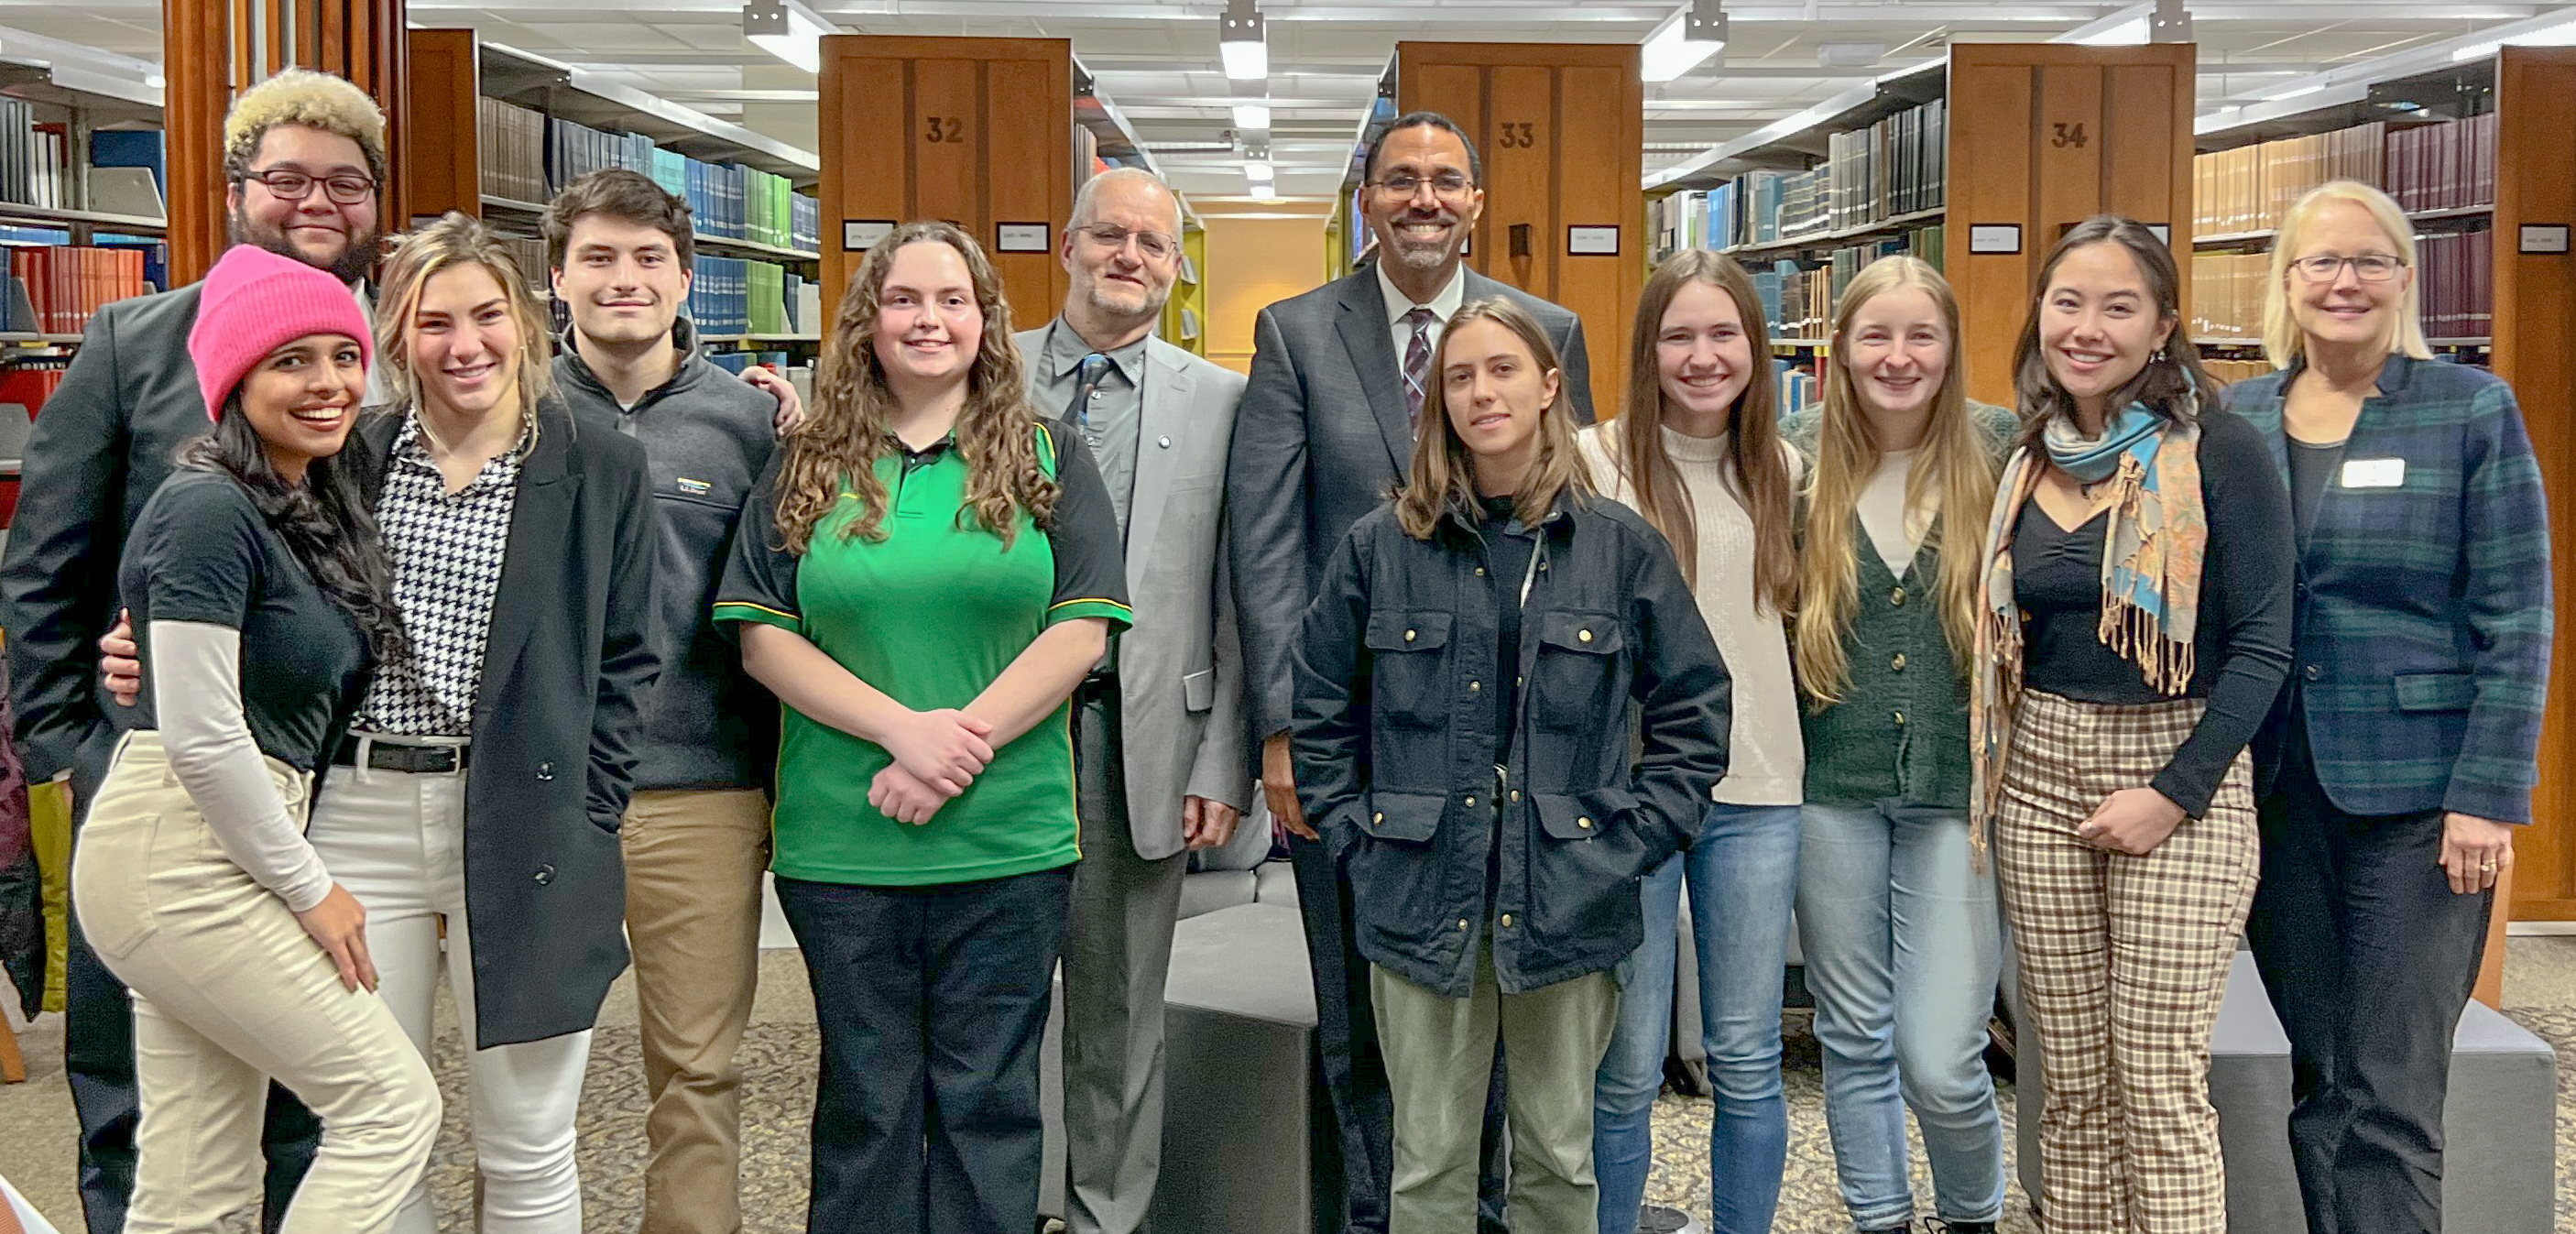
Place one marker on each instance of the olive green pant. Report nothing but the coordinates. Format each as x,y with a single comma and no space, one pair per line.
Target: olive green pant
1439,1060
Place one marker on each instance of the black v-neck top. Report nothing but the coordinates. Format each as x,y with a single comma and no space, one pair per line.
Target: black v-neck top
2241,651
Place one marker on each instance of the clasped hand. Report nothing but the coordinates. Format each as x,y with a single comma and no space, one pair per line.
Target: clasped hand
2132,821
937,754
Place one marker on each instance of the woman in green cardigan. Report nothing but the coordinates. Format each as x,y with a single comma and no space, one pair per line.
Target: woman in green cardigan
1900,934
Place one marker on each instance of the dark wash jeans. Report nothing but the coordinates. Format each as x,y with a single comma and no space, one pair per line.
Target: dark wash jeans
98,1063
932,1003
2369,958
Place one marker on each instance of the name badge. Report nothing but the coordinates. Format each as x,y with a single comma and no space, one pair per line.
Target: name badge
2374,472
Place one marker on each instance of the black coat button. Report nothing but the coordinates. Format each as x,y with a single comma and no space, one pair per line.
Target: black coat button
544,875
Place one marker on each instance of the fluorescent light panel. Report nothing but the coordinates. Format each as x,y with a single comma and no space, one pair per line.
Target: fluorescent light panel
1669,50
1242,42
1252,116
1258,170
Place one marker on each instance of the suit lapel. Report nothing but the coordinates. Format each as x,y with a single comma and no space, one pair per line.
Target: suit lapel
1166,401
1368,339
532,570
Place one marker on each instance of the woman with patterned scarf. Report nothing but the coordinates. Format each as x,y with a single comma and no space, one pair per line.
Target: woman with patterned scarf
2137,628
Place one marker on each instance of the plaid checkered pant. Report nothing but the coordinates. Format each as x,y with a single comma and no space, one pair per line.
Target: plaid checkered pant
2123,962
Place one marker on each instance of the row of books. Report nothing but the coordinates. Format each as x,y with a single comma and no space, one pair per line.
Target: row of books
35,158
529,156
736,296
2444,166
40,166
2454,292
1892,167
55,290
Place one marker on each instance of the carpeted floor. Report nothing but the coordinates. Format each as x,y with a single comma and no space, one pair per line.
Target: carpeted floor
36,1128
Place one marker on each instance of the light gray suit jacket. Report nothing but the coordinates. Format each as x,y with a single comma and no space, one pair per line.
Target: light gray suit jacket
1323,436
1180,667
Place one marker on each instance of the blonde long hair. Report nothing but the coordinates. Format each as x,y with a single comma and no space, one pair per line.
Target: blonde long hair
2283,341
1443,474
853,419
1757,471
455,240
1956,467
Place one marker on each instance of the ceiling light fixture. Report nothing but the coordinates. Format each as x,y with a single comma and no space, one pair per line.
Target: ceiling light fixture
1259,171
1693,33
788,30
1254,116
1263,191
1241,42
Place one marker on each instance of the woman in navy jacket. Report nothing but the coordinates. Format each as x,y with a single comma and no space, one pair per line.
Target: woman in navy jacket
1461,738
2401,755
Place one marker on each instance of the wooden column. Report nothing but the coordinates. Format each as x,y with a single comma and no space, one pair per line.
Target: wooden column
211,49
2535,321
1562,132
2046,135
975,131
441,147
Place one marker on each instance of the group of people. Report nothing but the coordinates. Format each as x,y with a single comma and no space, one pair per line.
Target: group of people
576,637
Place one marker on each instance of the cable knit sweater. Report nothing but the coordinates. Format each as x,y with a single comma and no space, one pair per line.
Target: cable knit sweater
1765,755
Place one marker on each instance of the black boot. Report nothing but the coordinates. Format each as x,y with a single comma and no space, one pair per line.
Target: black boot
1935,1225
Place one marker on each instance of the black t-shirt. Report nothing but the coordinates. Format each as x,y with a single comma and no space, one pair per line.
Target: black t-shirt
201,552
1507,563
2312,465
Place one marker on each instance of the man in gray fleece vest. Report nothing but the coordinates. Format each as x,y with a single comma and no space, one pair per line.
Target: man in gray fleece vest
696,839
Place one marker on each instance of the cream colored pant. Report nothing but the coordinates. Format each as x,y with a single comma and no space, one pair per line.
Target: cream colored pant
229,993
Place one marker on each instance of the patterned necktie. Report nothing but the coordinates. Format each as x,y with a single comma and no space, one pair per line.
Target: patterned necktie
1417,363
1086,381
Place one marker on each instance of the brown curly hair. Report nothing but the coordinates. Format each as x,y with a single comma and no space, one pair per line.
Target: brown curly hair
852,426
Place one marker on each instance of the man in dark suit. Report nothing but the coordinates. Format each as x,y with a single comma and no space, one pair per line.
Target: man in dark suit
1340,379
304,156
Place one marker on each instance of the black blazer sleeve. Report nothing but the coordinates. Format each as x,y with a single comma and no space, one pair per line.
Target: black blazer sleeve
628,665
58,581
1577,368
1266,486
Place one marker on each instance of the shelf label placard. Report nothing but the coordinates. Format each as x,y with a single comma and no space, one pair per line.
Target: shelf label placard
1021,238
860,235
1581,241
2544,238
1998,238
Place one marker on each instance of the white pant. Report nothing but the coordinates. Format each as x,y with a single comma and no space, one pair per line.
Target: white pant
397,841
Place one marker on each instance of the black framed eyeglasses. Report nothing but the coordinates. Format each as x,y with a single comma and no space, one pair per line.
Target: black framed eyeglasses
2369,267
1402,185
296,186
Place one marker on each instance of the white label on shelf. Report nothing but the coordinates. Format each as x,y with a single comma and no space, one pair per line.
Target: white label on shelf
1994,237
1592,241
1021,238
860,235
2544,237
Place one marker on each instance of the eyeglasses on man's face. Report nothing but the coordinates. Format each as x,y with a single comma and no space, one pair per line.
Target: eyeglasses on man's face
2369,267
296,186
1401,185
1153,244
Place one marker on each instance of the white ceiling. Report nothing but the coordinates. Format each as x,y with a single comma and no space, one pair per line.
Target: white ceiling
1157,59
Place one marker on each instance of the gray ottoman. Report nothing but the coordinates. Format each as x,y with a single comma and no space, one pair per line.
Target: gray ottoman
1242,1108
2500,1162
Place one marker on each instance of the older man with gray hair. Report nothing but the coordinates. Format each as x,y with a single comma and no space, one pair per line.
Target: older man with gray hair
1162,757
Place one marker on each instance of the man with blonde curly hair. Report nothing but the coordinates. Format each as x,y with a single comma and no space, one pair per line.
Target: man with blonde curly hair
304,154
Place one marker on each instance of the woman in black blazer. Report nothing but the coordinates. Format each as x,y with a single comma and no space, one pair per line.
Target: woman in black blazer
481,784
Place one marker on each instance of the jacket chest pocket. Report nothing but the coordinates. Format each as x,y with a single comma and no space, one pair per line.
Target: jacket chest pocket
1580,678
1408,677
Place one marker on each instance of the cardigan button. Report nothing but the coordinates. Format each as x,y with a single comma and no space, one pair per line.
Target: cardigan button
2312,672
1897,665
544,875
545,771
1896,597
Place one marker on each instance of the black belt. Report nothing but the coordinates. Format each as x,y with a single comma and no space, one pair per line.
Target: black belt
393,756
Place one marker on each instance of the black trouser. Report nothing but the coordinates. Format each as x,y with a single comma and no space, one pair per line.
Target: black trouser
932,1005
2369,957
1354,1070
98,1063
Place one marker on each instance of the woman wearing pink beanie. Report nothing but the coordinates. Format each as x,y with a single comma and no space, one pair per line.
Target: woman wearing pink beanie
262,600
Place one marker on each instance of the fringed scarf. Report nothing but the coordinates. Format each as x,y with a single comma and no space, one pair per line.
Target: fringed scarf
2151,564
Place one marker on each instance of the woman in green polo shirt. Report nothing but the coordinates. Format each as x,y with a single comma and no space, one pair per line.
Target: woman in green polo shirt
923,578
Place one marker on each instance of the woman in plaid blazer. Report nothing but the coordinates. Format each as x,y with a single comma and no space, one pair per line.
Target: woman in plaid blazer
2401,757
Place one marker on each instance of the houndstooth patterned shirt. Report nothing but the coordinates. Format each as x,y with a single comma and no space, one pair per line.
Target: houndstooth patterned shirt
447,551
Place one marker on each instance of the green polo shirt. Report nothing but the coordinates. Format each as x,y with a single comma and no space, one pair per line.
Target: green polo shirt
931,615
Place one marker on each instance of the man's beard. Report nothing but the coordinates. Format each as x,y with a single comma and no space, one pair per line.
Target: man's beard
354,263
1099,295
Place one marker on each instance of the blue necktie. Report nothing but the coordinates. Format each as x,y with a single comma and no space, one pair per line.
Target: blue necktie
1086,383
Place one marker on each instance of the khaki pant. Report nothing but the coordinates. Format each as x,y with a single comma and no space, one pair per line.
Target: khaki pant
230,992
693,864
1439,1061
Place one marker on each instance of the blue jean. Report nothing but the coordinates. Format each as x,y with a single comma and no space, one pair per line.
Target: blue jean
1743,874
1903,947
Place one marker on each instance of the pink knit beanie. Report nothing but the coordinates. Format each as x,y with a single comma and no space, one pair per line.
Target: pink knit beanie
253,301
